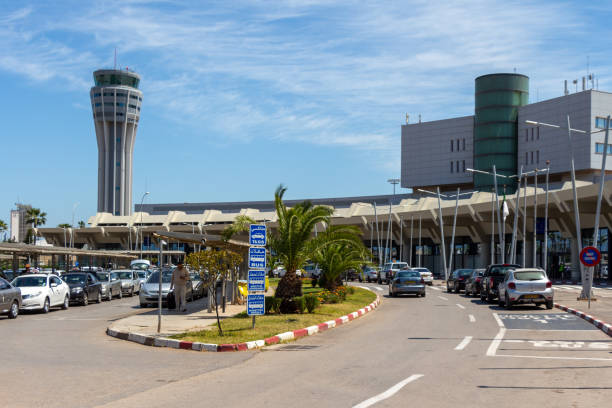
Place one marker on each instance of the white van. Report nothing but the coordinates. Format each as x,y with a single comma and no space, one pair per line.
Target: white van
140,264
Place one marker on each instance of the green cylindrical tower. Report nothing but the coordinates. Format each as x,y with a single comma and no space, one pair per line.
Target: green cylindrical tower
498,97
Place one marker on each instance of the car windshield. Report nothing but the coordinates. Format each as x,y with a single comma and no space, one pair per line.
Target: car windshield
142,274
399,265
408,274
421,270
125,275
103,276
529,275
27,281
154,278
500,270
140,266
75,278
195,276
465,272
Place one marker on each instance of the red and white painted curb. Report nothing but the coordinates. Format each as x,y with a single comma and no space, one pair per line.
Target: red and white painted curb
603,326
148,340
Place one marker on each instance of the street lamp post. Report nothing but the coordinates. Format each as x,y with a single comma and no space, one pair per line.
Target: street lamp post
394,182
140,226
74,207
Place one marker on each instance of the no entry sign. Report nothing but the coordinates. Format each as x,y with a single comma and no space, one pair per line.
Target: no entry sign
590,256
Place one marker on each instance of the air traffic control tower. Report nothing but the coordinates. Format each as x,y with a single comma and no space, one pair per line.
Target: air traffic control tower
116,101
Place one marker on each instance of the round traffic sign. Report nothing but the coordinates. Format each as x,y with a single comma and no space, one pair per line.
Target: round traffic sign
590,256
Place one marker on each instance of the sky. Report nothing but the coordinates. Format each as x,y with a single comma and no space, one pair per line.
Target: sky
241,96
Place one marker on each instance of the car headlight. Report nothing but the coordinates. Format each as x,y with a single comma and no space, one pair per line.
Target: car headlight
78,289
33,295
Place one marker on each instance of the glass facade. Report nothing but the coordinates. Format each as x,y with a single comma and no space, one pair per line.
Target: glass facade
498,97
108,78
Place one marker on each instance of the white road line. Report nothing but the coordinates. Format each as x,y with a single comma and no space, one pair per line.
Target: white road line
514,341
496,342
472,318
443,298
389,393
364,287
435,288
499,322
464,343
460,306
377,288
556,358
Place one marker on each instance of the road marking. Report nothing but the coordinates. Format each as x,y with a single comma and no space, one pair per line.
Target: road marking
499,322
464,343
555,358
514,341
496,342
364,287
443,298
377,288
389,393
472,318
435,288
460,306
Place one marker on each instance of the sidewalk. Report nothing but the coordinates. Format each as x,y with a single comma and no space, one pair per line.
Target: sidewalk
601,309
173,322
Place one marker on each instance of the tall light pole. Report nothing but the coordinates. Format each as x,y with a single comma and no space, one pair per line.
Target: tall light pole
394,182
74,207
140,226
441,224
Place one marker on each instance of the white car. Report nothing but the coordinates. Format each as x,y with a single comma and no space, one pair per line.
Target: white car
426,275
42,292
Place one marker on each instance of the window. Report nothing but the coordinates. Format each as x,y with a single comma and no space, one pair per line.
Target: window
119,114
526,135
600,123
531,157
538,133
133,97
464,166
451,163
526,157
457,166
599,148
451,145
120,104
98,104
132,106
119,94
118,140
118,164
97,94
457,144
108,94
117,188
108,104
532,134
463,145
537,156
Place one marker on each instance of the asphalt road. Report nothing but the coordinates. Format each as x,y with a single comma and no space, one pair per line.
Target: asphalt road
439,351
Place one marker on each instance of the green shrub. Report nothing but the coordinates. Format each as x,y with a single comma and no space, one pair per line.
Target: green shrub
269,303
243,315
312,302
300,303
276,304
350,290
314,282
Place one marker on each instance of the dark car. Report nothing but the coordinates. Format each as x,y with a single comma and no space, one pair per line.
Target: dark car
10,299
83,287
473,282
493,276
407,281
456,280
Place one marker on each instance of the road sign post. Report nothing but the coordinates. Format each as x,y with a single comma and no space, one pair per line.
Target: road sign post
256,285
590,256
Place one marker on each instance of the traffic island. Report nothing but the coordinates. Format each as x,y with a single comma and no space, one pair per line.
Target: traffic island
189,340
600,324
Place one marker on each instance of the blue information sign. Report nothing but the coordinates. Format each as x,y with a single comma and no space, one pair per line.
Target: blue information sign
257,235
256,305
257,258
257,281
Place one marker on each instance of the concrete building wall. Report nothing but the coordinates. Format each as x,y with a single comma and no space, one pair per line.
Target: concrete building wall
601,107
430,148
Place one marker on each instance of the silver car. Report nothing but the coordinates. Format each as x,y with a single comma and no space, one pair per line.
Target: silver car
408,282
526,285
370,274
425,274
111,285
10,299
149,292
129,281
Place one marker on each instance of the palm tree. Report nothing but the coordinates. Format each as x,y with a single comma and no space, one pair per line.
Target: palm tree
241,224
65,225
81,224
3,228
289,241
35,217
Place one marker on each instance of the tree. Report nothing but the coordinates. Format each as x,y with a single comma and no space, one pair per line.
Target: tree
241,224
81,224
212,266
289,241
3,228
65,225
35,217
337,250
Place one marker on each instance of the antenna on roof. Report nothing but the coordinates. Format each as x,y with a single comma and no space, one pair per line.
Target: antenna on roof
115,66
407,118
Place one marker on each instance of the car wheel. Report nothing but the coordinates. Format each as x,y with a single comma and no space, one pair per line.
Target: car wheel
120,294
549,304
132,292
379,281
448,289
14,310
499,302
490,298
85,301
109,295
457,290
467,292
46,305
423,294
508,303
99,299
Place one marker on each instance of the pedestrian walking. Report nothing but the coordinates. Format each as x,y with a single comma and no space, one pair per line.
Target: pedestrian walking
180,276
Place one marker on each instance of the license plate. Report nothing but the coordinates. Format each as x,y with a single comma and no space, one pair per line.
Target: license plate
531,296
410,282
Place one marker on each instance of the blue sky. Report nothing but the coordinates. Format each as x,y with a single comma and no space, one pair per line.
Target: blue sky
240,96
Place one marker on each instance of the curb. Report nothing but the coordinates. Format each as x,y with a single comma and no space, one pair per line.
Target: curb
155,341
603,326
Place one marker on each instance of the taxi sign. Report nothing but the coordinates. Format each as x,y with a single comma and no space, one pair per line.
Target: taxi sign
257,235
590,256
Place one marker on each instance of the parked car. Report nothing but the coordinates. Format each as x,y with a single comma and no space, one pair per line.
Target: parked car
142,275
473,282
408,282
456,280
197,285
111,285
389,270
371,273
352,275
149,292
493,275
312,271
426,275
526,285
129,281
84,287
42,292
10,299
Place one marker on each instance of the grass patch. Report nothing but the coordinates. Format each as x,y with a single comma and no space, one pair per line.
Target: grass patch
238,329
